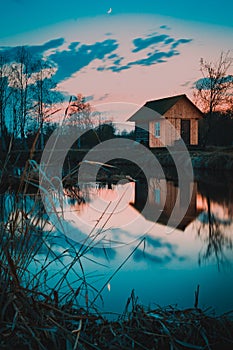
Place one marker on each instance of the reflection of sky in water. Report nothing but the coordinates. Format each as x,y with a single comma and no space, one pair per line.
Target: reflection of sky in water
165,268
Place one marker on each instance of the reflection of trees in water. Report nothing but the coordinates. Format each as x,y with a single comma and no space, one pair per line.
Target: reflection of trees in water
22,216
216,241
81,194
25,224
219,189
74,195
41,261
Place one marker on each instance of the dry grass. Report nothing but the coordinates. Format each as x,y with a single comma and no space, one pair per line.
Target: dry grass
163,328
34,321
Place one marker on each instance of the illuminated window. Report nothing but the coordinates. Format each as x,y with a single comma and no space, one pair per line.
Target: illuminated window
157,129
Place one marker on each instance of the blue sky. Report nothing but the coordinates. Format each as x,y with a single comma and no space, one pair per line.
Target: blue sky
25,15
141,51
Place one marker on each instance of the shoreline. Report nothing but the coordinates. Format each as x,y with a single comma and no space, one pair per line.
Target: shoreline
212,161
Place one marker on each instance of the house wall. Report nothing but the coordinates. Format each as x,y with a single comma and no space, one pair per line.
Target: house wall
173,132
155,141
184,109
170,132
194,132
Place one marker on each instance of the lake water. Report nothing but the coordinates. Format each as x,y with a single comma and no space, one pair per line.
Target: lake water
122,234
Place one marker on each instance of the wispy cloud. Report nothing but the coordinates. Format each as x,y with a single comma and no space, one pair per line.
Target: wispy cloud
37,51
208,83
179,42
165,26
89,98
153,49
70,61
156,57
103,97
143,43
187,83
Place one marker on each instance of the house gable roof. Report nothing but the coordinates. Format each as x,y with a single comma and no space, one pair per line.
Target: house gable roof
164,104
160,107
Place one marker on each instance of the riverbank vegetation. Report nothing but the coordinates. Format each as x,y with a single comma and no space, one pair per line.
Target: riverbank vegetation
33,320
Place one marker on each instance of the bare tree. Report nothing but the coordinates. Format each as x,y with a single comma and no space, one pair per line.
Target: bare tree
44,95
80,112
4,99
20,81
33,96
214,91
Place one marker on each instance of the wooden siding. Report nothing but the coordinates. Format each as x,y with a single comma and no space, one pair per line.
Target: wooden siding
157,141
170,132
194,132
173,133
183,109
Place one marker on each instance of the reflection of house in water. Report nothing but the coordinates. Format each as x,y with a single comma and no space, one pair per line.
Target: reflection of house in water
165,202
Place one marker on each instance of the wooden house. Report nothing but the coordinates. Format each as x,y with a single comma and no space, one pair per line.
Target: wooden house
160,123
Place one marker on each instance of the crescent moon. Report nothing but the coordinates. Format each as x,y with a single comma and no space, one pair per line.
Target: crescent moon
109,11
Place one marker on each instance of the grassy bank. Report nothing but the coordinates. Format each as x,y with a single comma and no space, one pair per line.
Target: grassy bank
32,320
210,159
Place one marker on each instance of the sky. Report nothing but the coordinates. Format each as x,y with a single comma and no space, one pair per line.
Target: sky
120,51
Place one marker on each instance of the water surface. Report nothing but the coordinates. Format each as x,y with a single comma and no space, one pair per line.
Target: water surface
126,227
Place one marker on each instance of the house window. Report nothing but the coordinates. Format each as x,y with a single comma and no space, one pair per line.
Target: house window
157,196
157,129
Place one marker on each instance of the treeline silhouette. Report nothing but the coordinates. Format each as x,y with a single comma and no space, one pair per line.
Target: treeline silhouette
221,130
